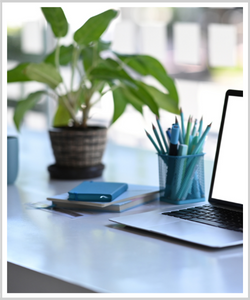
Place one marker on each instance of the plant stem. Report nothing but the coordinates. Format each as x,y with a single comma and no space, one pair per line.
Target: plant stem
102,94
73,66
57,54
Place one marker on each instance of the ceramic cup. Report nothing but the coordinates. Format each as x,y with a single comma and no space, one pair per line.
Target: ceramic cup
12,159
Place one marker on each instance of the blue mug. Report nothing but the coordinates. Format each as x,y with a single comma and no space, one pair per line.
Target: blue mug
12,159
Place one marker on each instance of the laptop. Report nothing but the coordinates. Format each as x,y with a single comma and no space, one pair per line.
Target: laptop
217,223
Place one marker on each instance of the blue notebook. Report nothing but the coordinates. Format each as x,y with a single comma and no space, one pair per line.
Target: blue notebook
97,191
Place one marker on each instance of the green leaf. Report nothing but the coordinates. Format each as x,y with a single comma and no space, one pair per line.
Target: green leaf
88,57
24,105
62,115
17,74
45,73
134,62
143,95
132,99
102,45
148,65
163,100
57,20
120,104
65,56
94,27
105,73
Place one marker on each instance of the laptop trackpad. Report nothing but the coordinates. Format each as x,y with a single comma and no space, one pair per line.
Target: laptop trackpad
198,233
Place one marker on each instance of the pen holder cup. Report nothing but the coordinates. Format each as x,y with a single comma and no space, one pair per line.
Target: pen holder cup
181,178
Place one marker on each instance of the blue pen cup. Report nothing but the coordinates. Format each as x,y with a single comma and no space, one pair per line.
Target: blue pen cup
181,178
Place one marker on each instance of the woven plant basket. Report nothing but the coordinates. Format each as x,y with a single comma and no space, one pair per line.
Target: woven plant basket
78,148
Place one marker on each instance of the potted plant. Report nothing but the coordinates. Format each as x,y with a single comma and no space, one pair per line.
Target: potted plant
95,70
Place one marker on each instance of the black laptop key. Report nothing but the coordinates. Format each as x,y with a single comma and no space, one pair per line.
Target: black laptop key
211,215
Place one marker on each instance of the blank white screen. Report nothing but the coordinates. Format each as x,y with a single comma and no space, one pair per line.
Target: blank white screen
230,183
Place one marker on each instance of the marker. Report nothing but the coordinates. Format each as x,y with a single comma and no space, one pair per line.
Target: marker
162,135
158,139
182,150
180,171
182,125
173,149
199,145
186,141
200,127
180,135
153,142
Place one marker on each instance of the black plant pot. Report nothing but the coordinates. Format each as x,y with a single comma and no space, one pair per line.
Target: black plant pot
78,152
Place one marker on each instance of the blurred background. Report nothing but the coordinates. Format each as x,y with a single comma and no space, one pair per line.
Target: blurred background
200,47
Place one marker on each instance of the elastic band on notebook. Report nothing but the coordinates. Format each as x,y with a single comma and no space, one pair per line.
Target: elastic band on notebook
76,196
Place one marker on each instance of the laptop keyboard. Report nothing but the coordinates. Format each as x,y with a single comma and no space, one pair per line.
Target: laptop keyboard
211,215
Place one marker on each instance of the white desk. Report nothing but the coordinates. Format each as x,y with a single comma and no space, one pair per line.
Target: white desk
53,253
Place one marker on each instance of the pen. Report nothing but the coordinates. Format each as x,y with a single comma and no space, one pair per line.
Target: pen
173,149
168,133
186,141
158,139
153,142
162,135
182,125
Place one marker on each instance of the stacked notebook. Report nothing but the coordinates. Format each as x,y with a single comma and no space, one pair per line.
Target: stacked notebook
105,196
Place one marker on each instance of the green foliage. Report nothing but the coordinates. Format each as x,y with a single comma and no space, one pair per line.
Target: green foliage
24,105
93,29
84,56
57,20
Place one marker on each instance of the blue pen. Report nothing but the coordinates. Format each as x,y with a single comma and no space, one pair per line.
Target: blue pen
180,134
168,132
173,149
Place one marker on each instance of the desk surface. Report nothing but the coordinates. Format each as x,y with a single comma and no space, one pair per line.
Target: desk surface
102,256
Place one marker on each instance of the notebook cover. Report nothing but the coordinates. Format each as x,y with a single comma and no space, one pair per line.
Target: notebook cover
115,207
134,191
97,191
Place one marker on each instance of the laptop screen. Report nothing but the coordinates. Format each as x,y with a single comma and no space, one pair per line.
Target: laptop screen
229,180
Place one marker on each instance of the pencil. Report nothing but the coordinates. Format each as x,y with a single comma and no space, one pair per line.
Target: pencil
153,142
194,128
182,125
158,139
198,146
186,141
162,134
200,127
